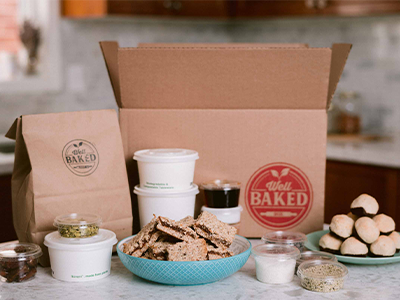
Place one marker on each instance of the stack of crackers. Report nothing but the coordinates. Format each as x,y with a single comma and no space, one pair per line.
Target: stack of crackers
188,239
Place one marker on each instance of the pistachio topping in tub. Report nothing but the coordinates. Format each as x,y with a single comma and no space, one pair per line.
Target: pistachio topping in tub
77,225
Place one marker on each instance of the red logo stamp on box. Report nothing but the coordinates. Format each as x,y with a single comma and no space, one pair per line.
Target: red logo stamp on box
279,196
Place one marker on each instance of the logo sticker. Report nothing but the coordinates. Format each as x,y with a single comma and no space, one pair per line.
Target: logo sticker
80,157
278,196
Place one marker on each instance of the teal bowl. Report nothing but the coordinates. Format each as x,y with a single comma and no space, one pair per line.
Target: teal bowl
187,272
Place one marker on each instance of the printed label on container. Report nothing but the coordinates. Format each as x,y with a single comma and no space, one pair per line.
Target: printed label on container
279,196
158,186
90,275
80,157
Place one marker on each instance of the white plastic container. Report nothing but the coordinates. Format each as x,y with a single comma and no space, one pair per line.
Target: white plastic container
166,169
79,260
227,215
171,204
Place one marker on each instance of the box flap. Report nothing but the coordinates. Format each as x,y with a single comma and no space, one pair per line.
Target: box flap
110,54
230,77
340,52
219,45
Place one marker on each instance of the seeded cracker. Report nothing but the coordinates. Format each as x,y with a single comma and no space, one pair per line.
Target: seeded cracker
141,242
216,253
193,251
176,229
217,232
188,221
159,249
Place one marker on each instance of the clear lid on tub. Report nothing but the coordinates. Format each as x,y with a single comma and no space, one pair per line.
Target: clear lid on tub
103,239
276,251
220,185
20,252
77,219
316,255
78,225
166,155
284,237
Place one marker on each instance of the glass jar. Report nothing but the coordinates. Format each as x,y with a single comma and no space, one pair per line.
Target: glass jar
349,119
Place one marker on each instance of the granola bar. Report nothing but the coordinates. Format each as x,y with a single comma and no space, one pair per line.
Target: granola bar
176,229
188,251
217,232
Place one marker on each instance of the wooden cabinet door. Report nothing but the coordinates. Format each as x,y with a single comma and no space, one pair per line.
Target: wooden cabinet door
193,8
184,8
346,181
358,8
273,8
7,232
121,7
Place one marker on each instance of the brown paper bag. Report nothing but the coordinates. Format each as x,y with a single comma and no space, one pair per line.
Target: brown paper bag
65,163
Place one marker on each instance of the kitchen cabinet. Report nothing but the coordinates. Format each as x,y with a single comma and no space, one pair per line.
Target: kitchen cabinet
259,8
227,8
345,181
7,232
357,7
166,8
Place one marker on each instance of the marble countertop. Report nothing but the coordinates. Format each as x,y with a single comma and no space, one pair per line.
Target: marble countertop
363,282
385,153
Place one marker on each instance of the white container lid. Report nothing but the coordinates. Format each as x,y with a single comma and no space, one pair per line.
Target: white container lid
193,190
229,215
105,238
165,155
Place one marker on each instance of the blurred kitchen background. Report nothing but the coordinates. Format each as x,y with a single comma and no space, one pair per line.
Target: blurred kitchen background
50,61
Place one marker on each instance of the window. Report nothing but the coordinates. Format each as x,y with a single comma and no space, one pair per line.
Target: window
18,72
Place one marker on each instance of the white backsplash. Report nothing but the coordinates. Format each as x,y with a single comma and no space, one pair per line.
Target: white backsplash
373,68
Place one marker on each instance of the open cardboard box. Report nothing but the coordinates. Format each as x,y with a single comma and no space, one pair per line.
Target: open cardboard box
255,113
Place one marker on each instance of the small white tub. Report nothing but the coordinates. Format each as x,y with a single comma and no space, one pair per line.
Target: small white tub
79,260
166,169
171,204
229,215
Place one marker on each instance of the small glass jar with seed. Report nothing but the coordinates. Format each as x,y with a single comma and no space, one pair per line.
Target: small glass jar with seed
322,276
77,225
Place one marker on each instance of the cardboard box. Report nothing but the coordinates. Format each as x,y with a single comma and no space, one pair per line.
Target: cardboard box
256,114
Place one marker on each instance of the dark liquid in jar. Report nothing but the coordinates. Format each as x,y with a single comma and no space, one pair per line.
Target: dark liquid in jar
221,198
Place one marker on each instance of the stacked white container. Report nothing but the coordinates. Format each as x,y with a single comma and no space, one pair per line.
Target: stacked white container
166,183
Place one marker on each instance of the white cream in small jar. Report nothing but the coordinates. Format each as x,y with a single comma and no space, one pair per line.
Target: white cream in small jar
275,263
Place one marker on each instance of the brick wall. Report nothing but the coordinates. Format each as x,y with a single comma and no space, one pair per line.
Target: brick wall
9,36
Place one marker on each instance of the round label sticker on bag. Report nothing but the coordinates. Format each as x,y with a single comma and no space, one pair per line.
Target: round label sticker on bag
279,196
80,157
